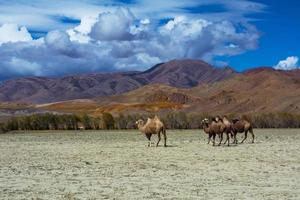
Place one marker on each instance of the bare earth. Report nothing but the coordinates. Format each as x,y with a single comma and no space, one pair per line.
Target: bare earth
118,165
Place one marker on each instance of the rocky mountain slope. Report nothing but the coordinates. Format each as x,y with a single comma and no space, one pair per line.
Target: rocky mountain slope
261,90
176,73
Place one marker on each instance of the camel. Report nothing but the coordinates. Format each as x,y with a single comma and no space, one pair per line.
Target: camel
152,126
212,129
226,126
240,126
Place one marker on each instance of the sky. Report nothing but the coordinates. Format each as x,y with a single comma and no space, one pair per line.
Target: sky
63,37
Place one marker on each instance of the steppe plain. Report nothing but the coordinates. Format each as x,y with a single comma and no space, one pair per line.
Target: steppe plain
119,165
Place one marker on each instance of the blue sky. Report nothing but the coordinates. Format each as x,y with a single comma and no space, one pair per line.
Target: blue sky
280,29
55,37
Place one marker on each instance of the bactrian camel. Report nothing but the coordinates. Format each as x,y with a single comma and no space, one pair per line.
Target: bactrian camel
227,127
151,127
212,129
240,126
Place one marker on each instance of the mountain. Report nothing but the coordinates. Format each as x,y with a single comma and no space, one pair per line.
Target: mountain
176,73
260,90
42,90
185,73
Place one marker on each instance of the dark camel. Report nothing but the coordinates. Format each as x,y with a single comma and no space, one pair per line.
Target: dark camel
212,129
240,126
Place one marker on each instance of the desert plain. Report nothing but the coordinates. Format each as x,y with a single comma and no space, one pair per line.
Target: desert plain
119,165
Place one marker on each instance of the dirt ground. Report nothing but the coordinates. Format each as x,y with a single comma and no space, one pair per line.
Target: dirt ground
118,165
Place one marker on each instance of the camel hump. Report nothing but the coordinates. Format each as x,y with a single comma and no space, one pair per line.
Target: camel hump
156,119
247,124
226,121
149,120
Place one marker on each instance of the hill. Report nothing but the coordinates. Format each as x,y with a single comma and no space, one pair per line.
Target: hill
176,73
256,91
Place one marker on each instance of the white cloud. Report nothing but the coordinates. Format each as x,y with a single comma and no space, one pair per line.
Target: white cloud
12,33
145,21
113,26
43,15
288,64
80,33
118,40
202,39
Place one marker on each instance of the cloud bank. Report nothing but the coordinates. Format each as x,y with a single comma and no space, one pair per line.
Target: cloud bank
289,63
118,40
47,15
12,33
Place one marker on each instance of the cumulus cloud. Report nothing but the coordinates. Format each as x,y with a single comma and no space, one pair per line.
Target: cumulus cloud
12,33
118,40
289,63
44,15
81,33
113,26
203,39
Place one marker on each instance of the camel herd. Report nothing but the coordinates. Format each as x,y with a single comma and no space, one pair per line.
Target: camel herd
216,127
219,125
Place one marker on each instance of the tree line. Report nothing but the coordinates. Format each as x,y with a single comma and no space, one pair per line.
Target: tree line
172,120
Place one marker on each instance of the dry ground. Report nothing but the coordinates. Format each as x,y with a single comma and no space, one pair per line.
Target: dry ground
118,165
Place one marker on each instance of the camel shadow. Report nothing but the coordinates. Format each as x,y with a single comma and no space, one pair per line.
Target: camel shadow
233,145
226,146
170,146
162,146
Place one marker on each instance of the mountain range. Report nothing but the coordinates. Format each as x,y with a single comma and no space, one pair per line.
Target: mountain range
190,86
176,73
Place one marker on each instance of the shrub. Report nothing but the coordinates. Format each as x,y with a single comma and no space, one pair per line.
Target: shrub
173,120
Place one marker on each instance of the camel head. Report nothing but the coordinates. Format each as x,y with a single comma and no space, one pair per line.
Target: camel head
217,118
205,121
139,123
235,120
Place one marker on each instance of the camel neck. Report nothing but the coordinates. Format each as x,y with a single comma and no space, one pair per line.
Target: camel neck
205,128
141,127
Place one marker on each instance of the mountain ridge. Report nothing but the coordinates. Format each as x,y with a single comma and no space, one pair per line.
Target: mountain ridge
177,73
242,94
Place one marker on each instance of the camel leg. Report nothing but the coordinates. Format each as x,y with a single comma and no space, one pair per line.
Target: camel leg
227,139
214,139
233,136
165,138
158,135
149,139
209,137
235,141
221,138
251,131
246,133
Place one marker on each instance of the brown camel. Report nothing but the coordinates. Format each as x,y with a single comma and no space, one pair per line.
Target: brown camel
225,127
240,126
152,126
212,129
